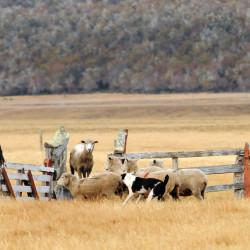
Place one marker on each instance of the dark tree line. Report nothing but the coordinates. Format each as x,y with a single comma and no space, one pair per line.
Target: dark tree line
73,46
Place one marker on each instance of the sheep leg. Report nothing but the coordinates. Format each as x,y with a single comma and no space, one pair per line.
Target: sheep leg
80,174
198,195
72,170
128,198
167,196
88,173
203,194
175,193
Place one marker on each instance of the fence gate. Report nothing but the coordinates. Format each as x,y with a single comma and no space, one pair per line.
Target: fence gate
35,182
29,181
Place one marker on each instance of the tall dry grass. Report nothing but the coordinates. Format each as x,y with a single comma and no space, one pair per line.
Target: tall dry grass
155,123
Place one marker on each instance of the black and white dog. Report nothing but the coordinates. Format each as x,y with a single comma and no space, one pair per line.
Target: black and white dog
158,190
142,186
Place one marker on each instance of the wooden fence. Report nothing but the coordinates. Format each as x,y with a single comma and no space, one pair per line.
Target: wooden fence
38,181
240,169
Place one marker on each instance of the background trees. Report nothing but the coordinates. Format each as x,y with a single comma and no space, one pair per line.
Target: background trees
150,46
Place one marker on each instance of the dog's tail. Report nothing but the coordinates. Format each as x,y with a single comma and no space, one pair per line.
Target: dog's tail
166,179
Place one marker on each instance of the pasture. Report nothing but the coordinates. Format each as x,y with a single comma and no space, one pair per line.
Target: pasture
166,122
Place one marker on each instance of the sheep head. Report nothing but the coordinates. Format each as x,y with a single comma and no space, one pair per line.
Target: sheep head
89,144
66,179
157,163
130,165
113,164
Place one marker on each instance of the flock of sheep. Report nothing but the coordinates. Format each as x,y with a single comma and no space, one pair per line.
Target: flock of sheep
183,182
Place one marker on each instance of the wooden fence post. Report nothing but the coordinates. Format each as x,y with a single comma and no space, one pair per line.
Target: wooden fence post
47,163
175,163
238,177
120,143
247,171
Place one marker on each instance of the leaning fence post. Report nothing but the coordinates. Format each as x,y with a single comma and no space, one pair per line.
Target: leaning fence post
246,171
8,184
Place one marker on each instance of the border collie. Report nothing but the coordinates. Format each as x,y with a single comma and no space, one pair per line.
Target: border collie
141,185
158,190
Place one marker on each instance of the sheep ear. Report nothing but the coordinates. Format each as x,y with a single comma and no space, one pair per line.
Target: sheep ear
95,141
82,141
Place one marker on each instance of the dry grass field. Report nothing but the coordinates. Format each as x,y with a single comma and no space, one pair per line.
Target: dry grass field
156,123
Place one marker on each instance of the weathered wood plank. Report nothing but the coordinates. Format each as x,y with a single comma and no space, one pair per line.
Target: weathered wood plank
24,198
20,166
27,189
221,169
32,198
19,176
225,187
18,181
182,154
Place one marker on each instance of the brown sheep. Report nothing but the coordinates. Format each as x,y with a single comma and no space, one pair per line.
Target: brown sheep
81,158
102,184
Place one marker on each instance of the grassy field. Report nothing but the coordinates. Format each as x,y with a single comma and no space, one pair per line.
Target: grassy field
156,123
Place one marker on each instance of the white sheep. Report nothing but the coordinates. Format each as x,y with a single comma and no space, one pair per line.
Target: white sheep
157,163
81,158
102,184
192,182
131,165
114,164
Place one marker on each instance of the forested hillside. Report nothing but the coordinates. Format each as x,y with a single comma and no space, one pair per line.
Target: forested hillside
143,46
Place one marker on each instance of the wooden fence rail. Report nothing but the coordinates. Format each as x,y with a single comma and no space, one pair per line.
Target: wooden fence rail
240,169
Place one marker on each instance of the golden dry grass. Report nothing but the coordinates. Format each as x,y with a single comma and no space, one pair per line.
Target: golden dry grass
155,123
